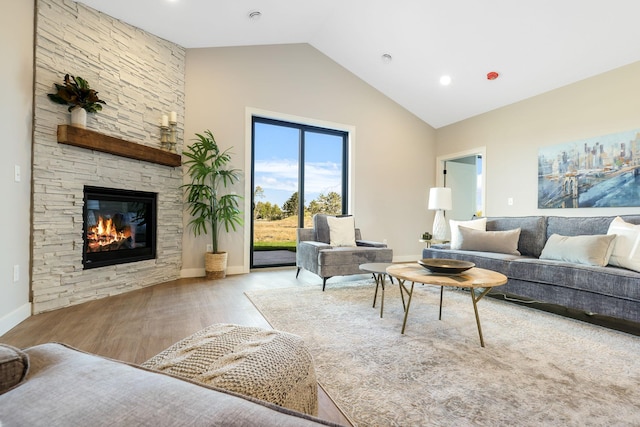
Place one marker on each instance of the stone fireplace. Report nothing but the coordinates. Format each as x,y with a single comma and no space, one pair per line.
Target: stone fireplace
141,77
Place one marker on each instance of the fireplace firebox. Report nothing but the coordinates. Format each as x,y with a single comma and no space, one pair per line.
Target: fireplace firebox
119,226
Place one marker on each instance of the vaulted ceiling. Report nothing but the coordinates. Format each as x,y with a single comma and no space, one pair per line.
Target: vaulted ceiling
534,45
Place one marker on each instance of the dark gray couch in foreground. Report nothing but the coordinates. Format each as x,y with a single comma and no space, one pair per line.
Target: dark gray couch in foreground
66,387
608,291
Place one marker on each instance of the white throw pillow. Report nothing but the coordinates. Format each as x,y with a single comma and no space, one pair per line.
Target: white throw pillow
626,249
589,249
456,238
342,231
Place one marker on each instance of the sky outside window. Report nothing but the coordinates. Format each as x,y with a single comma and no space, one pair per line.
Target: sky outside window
276,163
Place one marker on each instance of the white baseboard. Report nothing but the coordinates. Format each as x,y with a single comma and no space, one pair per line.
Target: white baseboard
199,272
192,272
16,316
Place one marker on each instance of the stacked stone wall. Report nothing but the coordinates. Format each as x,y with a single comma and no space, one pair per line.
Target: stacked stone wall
140,77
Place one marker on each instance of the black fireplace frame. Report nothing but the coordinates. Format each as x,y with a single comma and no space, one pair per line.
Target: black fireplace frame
103,259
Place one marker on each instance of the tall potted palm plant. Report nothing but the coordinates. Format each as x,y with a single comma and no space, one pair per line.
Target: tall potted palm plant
211,210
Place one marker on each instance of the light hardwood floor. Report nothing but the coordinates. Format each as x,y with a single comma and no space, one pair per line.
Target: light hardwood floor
137,325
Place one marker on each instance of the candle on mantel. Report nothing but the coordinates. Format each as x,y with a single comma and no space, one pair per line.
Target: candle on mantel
173,118
165,121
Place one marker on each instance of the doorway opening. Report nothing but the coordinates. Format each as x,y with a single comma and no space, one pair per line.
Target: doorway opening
465,174
297,170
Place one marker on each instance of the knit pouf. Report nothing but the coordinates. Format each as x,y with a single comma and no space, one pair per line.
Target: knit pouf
269,365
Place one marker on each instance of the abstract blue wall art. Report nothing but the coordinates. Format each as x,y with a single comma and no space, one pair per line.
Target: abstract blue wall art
591,173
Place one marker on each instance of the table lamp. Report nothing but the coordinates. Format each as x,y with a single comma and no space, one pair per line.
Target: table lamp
440,201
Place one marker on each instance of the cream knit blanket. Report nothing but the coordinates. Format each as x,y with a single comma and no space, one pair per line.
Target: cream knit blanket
265,364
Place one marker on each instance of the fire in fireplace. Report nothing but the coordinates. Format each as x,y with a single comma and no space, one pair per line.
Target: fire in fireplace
119,226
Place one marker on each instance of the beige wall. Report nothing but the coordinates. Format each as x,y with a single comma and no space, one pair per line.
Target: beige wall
16,47
600,105
393,150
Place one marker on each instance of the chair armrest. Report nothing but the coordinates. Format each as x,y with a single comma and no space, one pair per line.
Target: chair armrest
370,244
306,234
315,245
307,254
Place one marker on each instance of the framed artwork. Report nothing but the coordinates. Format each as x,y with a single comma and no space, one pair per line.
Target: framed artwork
590,173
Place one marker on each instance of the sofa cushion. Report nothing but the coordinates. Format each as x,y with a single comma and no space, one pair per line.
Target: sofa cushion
66,387
488,260
611,281
626,250
590,250
341,231
533,232
476,224
505,242
321,227
580,226
577,226
14,364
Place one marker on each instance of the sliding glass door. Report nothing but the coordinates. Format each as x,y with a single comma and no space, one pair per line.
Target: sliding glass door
298,170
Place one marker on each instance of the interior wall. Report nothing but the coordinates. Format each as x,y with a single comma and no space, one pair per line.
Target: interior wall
16,110
393,149
600,105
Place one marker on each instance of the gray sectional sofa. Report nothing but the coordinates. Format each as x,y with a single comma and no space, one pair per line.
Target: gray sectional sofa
55,385
608,291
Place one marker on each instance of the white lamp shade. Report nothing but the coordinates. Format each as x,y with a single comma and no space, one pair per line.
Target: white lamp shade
440,198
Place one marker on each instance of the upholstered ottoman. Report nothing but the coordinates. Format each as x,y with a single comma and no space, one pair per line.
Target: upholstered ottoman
266,364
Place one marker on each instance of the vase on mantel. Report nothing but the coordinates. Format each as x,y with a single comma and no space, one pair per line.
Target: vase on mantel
79,117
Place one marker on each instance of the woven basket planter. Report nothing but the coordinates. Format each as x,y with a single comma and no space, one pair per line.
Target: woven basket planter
215,265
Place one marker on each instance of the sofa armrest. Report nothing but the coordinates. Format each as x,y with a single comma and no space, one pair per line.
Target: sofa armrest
370,244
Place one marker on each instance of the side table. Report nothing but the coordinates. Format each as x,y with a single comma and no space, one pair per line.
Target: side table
428,243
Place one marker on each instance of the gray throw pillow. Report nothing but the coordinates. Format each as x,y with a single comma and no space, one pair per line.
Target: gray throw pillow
14,365
589,250
504,242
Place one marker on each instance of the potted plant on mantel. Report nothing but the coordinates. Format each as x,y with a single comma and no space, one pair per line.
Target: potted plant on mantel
211,211
81,99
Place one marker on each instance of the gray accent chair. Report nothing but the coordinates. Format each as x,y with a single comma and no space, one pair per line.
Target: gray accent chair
315,254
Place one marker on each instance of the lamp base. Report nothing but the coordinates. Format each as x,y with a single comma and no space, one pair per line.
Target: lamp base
439,226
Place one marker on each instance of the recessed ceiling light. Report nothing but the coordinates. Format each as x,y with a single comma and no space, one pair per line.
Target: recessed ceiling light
255,15
386,58
445,80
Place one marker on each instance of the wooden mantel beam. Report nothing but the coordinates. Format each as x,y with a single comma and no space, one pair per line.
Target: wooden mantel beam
85,138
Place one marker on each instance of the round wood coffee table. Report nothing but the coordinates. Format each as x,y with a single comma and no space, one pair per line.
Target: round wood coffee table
474,278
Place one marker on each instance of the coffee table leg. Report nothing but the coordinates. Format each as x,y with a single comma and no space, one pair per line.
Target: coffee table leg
475,309
406,312
379,277
375,295
381,299
441,293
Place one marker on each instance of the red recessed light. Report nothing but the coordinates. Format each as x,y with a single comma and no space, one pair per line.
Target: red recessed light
492,75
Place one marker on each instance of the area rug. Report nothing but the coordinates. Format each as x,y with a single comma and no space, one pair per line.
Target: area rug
536,369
